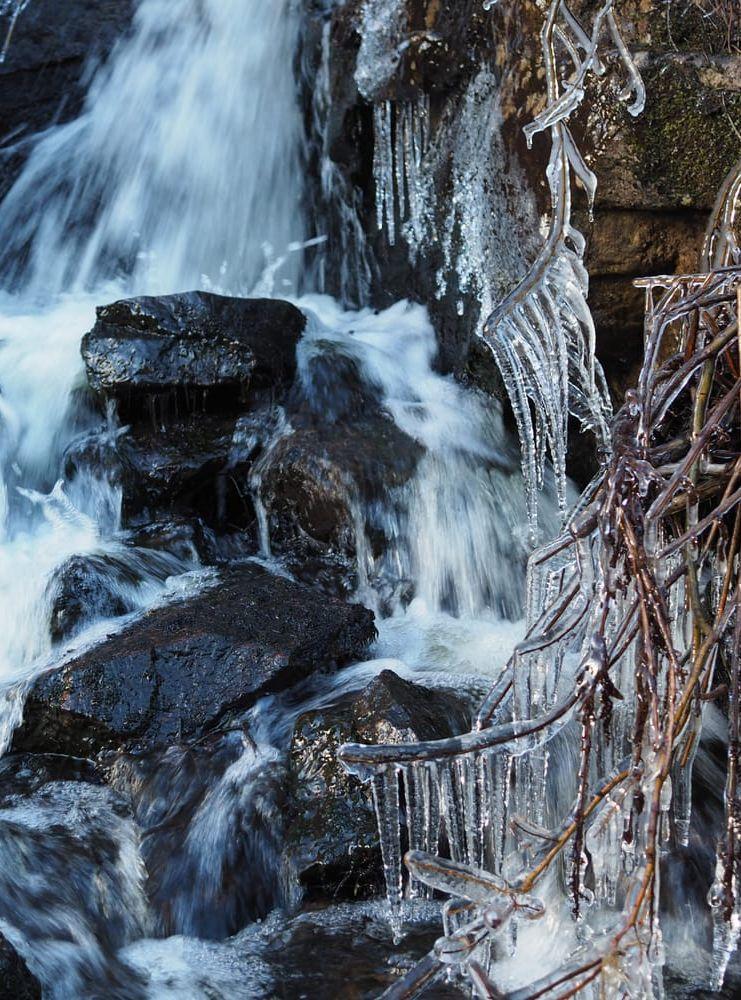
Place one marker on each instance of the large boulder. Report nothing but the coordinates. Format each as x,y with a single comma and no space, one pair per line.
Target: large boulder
322,483
174,673
331,471
331,834
191,351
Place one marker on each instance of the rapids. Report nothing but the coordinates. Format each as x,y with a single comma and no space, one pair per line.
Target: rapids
185,169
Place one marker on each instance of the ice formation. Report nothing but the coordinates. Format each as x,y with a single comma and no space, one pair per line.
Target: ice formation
467,227
542,334
577,777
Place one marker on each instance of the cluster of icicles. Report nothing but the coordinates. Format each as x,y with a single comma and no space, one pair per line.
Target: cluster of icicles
561,735
541,334
598,716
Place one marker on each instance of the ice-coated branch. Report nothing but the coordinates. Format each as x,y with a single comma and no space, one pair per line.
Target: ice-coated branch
619,660
542,334
721,246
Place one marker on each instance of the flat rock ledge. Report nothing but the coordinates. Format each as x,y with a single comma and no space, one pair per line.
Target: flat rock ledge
173,674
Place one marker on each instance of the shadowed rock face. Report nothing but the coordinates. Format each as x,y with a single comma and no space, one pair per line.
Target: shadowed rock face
15,979
175,672
145,347
331,832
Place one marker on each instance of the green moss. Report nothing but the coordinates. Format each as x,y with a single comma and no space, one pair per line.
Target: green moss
707,26
687,137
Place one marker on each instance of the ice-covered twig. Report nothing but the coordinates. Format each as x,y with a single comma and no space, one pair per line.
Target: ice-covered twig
542,334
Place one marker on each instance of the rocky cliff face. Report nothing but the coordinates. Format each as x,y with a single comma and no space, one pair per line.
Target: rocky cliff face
658,173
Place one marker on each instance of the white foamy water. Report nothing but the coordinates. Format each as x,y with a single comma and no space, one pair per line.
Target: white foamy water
184,170
181,171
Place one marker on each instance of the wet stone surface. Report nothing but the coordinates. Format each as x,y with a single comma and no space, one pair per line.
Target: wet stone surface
175,672
331,832
147,347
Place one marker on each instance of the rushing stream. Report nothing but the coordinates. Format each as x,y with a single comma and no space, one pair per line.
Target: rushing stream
185,170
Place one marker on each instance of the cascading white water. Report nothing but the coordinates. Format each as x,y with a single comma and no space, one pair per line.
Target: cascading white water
183,168
458,528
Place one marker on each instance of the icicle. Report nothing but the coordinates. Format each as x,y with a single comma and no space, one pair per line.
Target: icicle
602,841
452,811
386,803
417,794
468,787
682,783
456,913
726,927
383,168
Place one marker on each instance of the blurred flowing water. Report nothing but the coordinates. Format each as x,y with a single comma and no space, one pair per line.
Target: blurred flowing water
184,170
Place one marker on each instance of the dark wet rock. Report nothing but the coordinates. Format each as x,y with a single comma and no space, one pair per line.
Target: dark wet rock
331,834
43,79
187,539
175,672
87,588
193,467
16,981
191,351
186,467
317,478
81,590
332,388
210,818
346,950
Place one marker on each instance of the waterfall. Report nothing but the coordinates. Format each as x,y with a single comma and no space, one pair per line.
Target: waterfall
183,169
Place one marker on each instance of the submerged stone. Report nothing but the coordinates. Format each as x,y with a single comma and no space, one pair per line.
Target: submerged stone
210,818
175,672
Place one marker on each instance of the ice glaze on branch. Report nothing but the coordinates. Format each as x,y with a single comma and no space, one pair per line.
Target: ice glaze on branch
542,334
